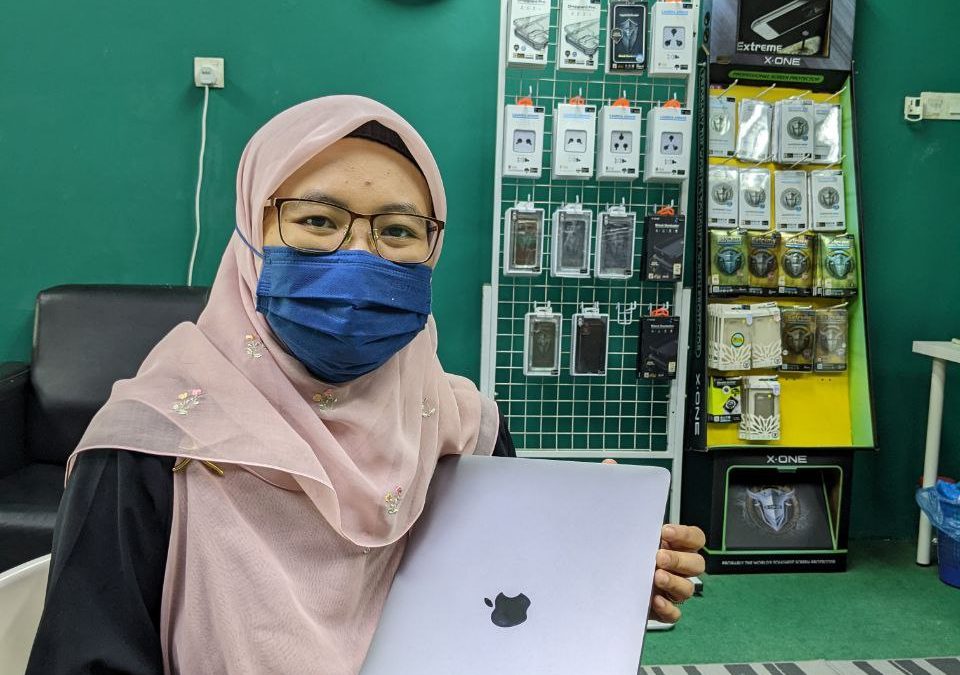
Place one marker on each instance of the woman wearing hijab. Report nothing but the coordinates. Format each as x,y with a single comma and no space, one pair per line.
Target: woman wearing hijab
241,505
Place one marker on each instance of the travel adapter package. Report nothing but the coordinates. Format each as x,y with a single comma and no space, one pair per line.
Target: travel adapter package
790,212
754,208
673,37
523,141
723,203
828,212
529,35
723,126
667,157
618,148
579,35
574,128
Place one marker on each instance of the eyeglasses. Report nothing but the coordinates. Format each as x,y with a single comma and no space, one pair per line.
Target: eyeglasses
319,227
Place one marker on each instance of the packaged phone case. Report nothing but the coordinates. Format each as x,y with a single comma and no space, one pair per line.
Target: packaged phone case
836,275
763,253
523,240
728,262
831,343
798,331
796,264
541,343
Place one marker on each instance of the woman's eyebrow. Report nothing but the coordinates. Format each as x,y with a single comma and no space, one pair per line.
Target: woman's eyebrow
393,207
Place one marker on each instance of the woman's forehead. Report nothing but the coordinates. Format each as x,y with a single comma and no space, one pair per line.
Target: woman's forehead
358,169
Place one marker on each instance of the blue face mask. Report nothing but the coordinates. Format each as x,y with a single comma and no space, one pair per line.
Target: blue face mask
344,314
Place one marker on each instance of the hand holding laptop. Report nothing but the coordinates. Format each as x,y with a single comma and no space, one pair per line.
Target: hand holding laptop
677,560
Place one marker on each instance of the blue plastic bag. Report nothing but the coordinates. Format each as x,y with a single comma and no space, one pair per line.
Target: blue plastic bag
941,503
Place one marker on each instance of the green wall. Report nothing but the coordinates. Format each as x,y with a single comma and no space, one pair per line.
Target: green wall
99,129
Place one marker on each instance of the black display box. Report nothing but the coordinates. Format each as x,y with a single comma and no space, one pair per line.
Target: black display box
770,510
804,43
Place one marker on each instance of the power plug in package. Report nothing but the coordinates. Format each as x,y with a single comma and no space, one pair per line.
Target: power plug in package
799,329
729,345
571,241
723,204
790,203
673,38
728,262
831,342
796,264
763,254
793,130
761,409
827,130
574,128
616,234
523,240
626,36
523,141
669,130
765,336
753,133
826,201
723,400
754,211
663,245
723,126
836,275
529,33
579,35
618,147
657,356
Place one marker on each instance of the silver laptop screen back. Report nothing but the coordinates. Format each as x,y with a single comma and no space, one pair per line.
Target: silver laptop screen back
525,566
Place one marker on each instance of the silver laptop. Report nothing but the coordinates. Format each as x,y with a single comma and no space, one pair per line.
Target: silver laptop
525,566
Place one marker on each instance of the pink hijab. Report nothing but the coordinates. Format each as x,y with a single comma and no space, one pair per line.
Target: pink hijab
358,455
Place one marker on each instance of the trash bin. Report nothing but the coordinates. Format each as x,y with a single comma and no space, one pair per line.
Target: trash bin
941,503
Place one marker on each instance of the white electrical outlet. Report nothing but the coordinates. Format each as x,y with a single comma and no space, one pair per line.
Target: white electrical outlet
208,72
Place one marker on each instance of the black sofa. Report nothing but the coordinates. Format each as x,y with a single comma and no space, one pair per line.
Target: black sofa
85,338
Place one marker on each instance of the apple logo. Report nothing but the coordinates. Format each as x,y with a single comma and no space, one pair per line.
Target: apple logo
508,612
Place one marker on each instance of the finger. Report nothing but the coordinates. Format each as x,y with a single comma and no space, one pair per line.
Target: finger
663,610
609,461
683,537
672,586
682,563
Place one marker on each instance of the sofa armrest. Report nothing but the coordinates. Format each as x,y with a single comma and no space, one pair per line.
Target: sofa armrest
14,378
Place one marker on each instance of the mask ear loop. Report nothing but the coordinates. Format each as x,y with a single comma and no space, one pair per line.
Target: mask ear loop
255,252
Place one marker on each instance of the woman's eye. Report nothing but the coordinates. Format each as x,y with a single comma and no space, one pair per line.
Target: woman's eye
318,223
398,232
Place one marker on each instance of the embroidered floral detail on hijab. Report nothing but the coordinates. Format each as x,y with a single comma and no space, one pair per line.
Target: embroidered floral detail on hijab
393,500
186,400
427,408
325,399
254,346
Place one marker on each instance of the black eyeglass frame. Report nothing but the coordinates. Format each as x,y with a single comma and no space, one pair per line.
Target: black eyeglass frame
278,203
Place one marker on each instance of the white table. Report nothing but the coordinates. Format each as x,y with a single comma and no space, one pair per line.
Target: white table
940,352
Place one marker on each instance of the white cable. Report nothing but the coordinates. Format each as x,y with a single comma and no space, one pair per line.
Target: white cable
196,199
